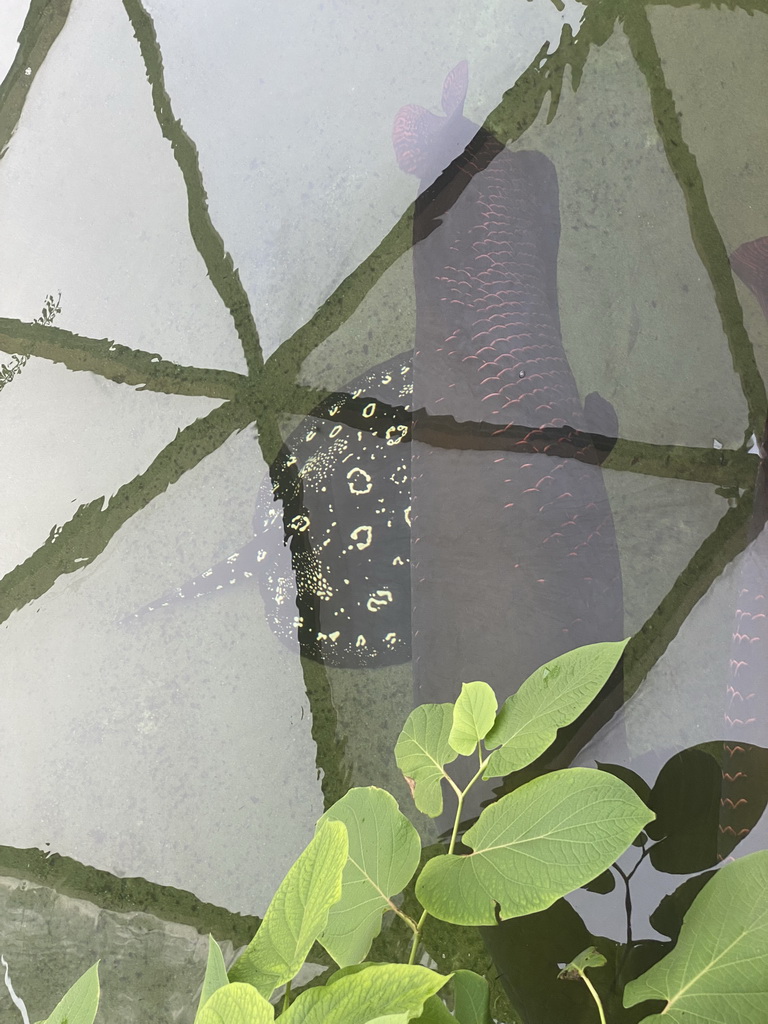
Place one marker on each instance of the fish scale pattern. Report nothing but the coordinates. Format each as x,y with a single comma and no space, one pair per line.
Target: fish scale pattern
489,348
744,760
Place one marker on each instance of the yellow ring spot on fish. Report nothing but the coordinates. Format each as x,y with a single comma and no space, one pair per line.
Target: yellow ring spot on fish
395,435
299,523
336,430
369,410
353,479
379,599
367,532
361,641
407,515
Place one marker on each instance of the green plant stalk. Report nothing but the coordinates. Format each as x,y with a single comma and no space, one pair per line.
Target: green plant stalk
595,996
460,794
403,916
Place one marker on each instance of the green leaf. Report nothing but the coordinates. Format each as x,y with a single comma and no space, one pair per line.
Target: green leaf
472,998
297,914
236,1004
378,991
422,750
215,974
384,852
554,696
80,1003
718,971
435,1012
589,957
533,846
473,716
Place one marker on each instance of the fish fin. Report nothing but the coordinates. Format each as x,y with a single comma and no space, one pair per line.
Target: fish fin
241,566
425,144
455,89
412,135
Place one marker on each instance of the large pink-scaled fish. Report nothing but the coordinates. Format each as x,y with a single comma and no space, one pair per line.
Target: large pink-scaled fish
513,552
746,719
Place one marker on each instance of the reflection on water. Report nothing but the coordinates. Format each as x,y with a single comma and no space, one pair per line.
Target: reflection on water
565,456
51,939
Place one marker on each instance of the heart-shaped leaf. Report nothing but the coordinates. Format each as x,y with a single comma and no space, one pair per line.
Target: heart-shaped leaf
384,852
359,998
473,716
533,846
718,971
554,696
297,914
422,751
236,1004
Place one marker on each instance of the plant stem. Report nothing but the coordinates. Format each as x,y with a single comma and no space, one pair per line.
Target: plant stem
286,997
417,938
460,793
595,996
408,920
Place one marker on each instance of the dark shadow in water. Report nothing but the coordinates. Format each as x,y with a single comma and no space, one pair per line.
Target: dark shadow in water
686,839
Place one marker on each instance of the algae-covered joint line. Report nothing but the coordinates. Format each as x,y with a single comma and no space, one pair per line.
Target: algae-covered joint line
368,530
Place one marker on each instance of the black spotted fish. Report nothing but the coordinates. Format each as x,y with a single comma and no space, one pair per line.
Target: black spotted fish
331,542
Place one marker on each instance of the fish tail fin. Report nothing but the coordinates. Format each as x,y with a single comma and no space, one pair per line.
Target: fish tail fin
412,135
455,89
240,566
425,144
